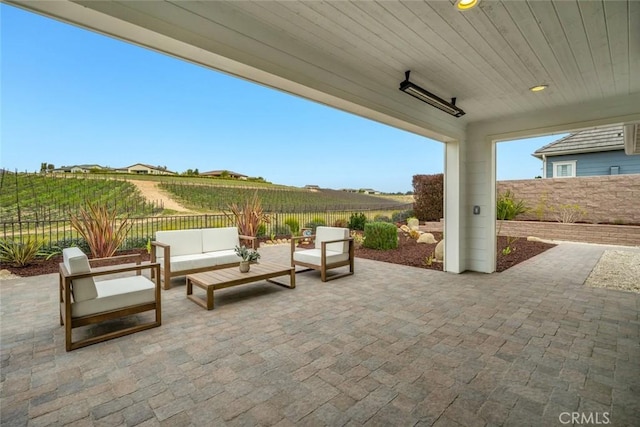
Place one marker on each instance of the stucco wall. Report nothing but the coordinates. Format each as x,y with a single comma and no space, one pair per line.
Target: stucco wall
613,199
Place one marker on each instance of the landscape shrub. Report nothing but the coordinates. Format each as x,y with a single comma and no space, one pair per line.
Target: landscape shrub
357,221
380,235
428,195
341,222
507,207
261,231
381,218
281,230
138,242
316,222
358,238
402,215
100,227
22,253
78,242
293,224
569,214
249,216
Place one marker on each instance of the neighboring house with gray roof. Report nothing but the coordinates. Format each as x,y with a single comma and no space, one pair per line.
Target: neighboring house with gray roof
80,169
224,174
144,169
590,152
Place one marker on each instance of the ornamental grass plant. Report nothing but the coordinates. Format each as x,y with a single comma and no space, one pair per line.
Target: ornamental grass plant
101,228
248,215
21,254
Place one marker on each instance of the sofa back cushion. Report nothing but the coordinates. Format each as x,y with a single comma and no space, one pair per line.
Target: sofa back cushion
219,239
325,234
182,242
76,262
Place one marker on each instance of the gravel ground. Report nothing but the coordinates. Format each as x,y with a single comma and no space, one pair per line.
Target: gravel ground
617,270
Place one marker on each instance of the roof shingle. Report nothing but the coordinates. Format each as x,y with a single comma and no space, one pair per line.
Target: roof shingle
589,140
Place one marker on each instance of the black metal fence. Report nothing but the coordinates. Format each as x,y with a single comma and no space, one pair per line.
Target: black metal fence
60,233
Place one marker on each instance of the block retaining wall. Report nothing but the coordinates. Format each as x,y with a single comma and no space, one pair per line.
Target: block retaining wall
611,199
625,235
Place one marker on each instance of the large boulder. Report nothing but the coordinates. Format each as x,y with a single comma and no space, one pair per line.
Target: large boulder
439,252
427,238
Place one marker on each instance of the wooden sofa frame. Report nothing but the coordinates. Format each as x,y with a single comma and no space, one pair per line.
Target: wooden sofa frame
70,322
165,267
323,267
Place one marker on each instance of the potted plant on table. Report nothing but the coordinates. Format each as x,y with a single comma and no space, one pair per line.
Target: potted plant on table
248,256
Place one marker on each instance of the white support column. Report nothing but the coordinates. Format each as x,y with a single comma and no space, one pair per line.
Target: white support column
470,180
455,260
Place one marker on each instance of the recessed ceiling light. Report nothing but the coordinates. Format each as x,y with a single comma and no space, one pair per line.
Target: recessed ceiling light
466,4
538,88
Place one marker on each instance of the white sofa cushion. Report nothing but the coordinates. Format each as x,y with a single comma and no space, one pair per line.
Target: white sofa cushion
76,262
313,256
191,262
218,239
116,293
228,256
182,242
325,234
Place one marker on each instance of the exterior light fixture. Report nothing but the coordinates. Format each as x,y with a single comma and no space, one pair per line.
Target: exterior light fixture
431,99
466,4
538,88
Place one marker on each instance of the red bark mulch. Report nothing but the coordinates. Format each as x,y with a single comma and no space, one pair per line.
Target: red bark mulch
415,254
408,253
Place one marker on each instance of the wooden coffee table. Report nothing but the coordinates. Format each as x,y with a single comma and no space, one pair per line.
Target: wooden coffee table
227,277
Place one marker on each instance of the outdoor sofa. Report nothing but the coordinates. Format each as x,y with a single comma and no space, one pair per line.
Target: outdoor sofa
182,252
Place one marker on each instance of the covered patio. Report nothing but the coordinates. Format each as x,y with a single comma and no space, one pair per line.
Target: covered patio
492,58
391,345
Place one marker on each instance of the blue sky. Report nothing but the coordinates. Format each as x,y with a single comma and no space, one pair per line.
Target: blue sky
70,96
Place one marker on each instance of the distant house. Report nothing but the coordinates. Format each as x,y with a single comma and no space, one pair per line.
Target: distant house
143,169
349,190
369,191
589,152
311,187
79,169
224,174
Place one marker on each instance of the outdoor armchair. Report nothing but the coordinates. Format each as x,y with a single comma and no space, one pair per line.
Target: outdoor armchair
85,301
333,249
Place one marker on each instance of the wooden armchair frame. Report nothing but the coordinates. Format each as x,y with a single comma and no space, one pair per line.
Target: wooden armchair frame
324,266
70,322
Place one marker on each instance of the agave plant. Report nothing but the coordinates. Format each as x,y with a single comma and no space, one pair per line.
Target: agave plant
20,254
248,216
101,228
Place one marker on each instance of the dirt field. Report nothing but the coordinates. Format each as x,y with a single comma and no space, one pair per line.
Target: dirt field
150,190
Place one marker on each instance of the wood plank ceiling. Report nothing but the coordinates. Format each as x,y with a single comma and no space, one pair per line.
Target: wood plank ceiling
487,57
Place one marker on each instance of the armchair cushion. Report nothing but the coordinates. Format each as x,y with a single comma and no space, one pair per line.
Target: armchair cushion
314,256
114,294
325,234
76,262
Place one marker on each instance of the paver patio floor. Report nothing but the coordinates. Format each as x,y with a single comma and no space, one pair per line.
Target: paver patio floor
391,345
